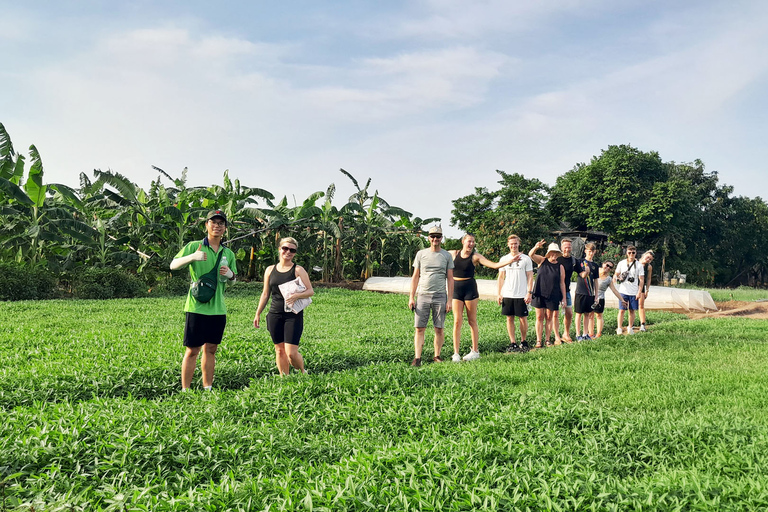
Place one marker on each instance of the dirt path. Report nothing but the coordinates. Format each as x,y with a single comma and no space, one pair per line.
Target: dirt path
757,310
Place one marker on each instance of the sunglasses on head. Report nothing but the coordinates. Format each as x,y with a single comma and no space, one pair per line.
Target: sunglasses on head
289,249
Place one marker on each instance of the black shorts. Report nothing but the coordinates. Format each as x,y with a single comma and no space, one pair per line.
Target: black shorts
514,307
600,306
201,329
542,303
285,327
583,303
465,290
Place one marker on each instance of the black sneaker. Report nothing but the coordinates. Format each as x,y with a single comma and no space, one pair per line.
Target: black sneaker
512,348
416,362
524,347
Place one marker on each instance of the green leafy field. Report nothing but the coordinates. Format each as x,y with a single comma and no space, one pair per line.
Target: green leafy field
674,419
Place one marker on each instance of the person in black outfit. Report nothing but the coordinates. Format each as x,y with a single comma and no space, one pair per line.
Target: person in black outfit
466,295
285,327
548,291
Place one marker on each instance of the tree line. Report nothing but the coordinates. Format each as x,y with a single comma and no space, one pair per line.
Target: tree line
624,196
109,221
628,195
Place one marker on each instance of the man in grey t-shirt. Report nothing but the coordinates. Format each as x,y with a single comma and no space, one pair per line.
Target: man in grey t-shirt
432,271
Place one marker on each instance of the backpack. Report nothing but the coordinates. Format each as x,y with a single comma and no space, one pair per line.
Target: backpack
204,288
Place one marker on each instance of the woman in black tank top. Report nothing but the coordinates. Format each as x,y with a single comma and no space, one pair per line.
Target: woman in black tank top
465,294
285,327
645,260
548,292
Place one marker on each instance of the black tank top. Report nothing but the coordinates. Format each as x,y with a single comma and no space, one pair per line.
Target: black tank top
548,282
568,264
276,278
463,267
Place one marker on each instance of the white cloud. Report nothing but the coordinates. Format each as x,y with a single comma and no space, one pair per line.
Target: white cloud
412,83
452,19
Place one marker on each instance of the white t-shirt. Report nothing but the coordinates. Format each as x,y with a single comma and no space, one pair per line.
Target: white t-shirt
516,278
634,272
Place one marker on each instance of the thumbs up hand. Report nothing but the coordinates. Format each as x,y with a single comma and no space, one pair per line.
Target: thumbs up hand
200,254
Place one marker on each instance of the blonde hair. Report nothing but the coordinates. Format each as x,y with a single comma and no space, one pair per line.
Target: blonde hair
288,240
510,237
591,246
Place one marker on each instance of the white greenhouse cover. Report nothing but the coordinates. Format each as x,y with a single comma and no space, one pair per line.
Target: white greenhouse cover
660,297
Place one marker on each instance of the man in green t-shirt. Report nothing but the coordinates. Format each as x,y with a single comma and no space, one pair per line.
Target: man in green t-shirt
205,322
432,274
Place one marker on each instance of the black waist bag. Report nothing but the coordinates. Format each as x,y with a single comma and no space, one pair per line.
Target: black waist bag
204,288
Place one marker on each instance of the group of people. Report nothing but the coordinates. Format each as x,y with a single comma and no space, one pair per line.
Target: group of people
205,321
437,275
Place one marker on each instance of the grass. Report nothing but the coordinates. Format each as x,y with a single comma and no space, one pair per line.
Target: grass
670,420
742,293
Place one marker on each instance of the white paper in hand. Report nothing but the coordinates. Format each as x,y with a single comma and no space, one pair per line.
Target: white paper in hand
291,287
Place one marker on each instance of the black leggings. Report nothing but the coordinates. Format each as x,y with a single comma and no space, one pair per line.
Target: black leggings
285,327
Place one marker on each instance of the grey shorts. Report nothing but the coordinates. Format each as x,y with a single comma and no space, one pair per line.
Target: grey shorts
434,303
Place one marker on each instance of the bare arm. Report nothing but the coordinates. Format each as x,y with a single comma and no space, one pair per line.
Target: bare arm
562,284
618,295
302,274
264,297
198,255
500,283
529,293
641,284
479,258
449,279
414,287
532,253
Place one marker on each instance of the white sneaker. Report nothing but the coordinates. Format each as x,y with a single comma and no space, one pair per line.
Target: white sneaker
619,331
642,328
456,358
472,356
630,330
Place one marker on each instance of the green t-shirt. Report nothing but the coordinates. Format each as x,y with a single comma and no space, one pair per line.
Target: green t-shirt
216,305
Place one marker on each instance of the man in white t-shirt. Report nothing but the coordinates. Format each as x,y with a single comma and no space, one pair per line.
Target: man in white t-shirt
629,277
515,287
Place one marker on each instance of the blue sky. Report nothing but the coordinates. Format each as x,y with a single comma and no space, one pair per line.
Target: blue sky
427,98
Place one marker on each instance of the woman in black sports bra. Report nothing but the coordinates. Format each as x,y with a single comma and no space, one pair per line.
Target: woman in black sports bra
285,327
465,294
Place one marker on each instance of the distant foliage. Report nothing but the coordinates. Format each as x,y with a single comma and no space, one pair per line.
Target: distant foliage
18,282
108,283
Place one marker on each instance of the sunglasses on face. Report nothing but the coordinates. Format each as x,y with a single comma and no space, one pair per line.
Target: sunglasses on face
289,249
435,236
630,252
608,266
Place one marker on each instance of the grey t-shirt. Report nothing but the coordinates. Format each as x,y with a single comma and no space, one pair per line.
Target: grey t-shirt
433,270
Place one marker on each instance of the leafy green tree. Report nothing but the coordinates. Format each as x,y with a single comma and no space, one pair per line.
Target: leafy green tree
518,207
607,194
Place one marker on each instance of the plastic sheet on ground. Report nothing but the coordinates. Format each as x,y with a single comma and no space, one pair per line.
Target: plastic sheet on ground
660,297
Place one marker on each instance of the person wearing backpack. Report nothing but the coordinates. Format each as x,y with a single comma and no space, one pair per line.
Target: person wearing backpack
206,312
630,277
